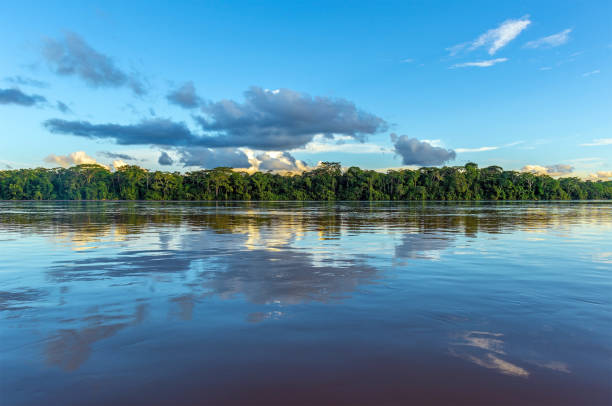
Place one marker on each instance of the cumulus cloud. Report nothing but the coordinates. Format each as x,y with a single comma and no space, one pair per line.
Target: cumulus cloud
551,41
480,64
118,163
267,120
598,142
114,155
71,55
16,96
415,152
185,96
279,162
495,38
600,175
283,119
23,81
550,170
75,158
212,158
165,159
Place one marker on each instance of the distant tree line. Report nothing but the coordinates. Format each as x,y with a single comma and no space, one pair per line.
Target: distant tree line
326,182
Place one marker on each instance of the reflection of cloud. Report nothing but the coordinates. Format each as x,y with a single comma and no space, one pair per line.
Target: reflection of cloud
482,348
286,276
415,246
70,348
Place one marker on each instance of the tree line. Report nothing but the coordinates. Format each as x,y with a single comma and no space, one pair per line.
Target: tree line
325,182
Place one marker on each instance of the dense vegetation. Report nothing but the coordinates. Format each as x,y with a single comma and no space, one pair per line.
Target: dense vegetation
326,182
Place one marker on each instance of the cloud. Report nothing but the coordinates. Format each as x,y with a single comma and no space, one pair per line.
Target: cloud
185,96
114,155
283,119
600,175
213,158
151,131
481,149
415,152
598,142
267,120
118,163
165,159
551,41
496,38
75,158
63,107
71,55
16,96
593,72
279,162
550,170
480,64
23,81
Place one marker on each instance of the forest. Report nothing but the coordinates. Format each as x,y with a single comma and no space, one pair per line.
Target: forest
326,182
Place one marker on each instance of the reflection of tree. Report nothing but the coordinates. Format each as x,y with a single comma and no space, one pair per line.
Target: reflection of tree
85,220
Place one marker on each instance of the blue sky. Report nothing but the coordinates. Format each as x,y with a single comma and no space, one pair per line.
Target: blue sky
280,85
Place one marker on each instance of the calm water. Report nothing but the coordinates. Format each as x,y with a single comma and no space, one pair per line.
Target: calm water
289,303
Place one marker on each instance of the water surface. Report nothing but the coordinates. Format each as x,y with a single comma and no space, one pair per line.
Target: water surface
152,303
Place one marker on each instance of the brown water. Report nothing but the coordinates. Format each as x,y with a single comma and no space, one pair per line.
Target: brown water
305,303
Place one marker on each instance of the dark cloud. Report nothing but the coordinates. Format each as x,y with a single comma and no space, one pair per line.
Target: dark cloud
415,152
71,55
213,158
283,119
153,131
267,120
114,155
16,96
165,159
63,107
22,81
185,96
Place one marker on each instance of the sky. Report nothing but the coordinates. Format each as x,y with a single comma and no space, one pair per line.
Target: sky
524,85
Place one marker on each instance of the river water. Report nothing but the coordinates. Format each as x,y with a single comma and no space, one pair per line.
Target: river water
151,303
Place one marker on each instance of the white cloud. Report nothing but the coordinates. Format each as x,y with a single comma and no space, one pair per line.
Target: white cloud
495,38
118,163
407,60
550,170
598,142
75,158
480,64
340,143
593,72
600,175
551,41
481,149
274,161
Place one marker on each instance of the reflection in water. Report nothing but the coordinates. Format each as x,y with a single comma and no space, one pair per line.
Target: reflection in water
183,300
415,246
69,348
484,349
